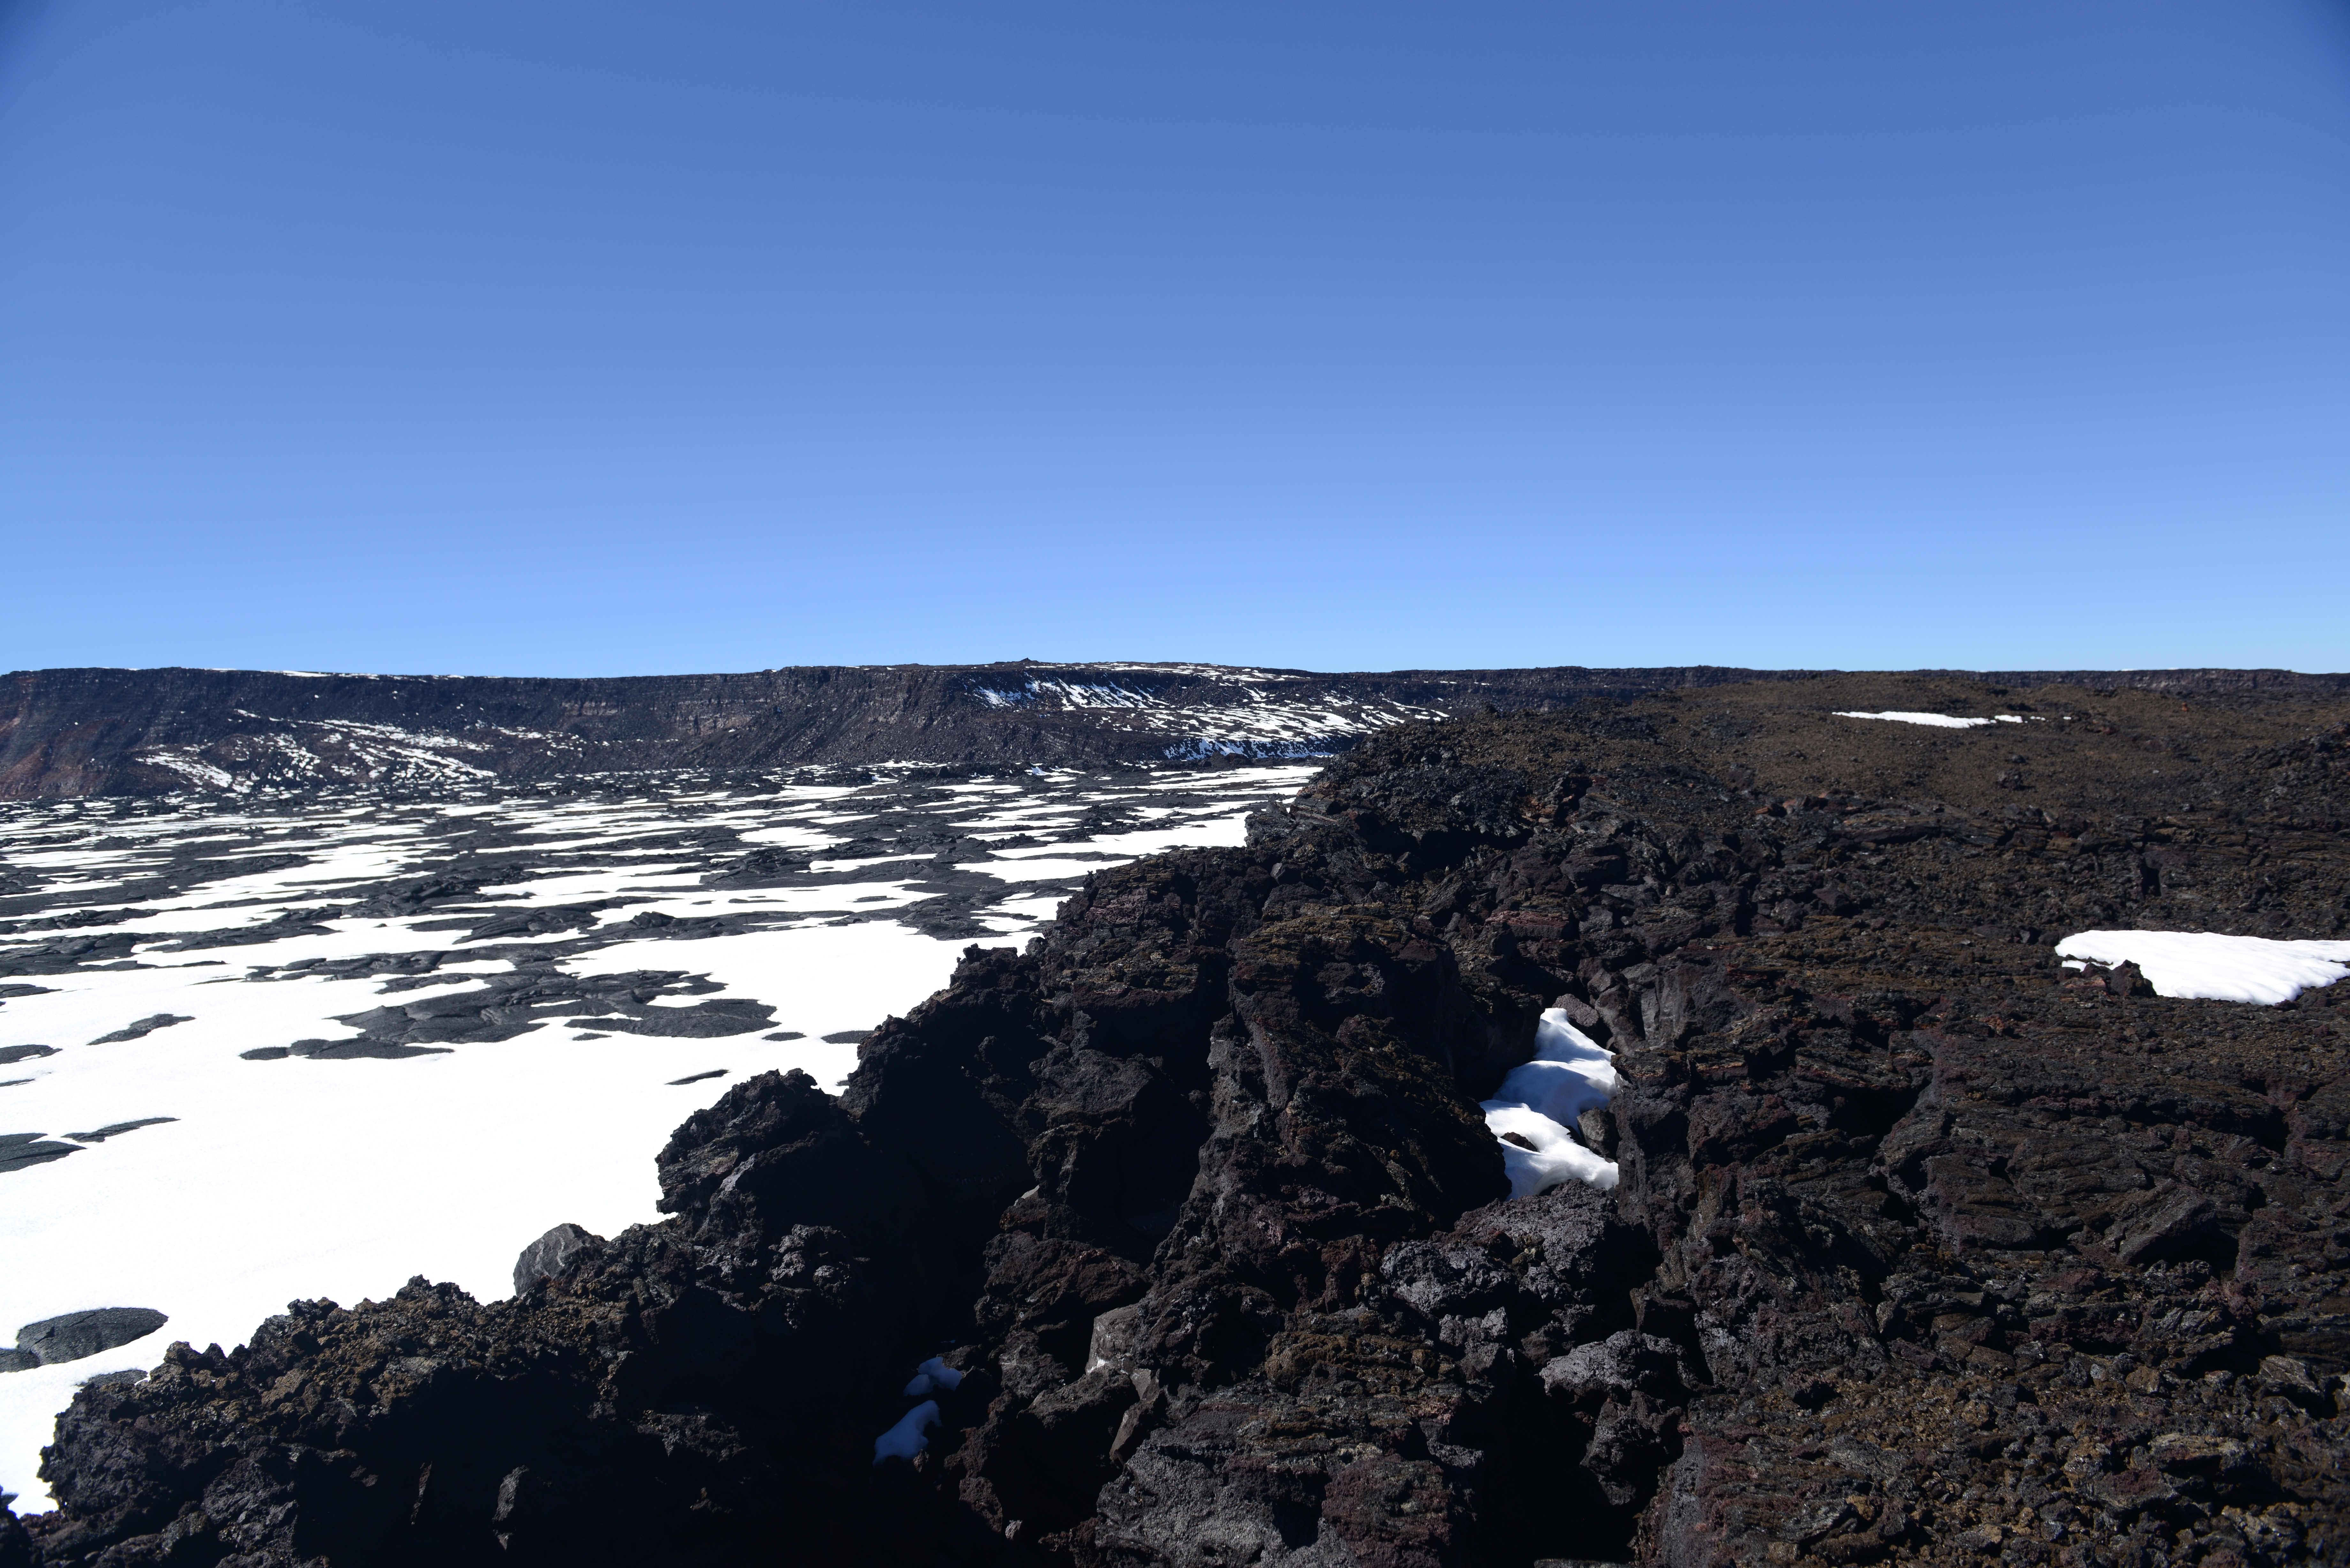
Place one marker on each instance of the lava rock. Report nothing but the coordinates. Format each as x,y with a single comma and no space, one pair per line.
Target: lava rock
116,1129
21,1151
547,1257
142,1028
76,1334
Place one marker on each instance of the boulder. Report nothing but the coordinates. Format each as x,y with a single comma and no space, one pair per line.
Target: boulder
547,1256
75,1334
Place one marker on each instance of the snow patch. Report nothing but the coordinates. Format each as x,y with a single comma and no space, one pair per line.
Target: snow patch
2209,966
1939,721
1571,1073
188,766
1947,721
933,1375
905,1439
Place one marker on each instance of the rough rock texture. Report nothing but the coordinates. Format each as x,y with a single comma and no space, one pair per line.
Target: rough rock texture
154,731
550,1254
1925,1250
80,1333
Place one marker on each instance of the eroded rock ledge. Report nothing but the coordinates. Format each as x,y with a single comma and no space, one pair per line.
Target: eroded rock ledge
1923,1251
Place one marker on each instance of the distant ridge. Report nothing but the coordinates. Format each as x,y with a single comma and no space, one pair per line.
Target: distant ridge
70,733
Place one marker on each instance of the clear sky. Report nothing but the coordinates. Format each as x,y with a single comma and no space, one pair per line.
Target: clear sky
568,337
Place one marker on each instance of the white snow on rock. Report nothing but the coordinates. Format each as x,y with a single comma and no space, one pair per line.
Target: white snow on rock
320,751
1261,720
2205,964
933,1375
1571,1073
1939,721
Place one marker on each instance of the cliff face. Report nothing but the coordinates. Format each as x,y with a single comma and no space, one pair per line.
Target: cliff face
139,731
1924,1248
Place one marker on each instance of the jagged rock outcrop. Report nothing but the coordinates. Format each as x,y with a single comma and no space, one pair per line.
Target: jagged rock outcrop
1924,1248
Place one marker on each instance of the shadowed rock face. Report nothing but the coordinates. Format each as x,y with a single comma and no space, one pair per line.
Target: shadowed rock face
1924,1249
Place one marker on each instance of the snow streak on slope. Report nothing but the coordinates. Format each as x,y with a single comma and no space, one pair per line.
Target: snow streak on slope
289,1045
1245,712
309,752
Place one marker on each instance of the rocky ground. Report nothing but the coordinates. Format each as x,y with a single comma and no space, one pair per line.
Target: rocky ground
1924,1249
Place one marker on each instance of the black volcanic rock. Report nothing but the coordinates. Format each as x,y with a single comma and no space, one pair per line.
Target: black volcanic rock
1924,1248
77,1335
506,1005
142,1028
547,1256
21,1151
116,1129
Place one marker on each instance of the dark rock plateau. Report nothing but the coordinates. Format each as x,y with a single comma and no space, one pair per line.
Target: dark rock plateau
157,732
1926,1248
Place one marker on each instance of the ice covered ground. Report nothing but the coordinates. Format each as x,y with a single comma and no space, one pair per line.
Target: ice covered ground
2217,968
364,1036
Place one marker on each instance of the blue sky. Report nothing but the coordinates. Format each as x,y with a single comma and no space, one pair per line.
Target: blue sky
565,336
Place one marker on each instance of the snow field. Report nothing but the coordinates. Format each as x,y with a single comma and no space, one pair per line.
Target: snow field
296,1178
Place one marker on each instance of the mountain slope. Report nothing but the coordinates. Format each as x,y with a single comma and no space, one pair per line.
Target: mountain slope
153,732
